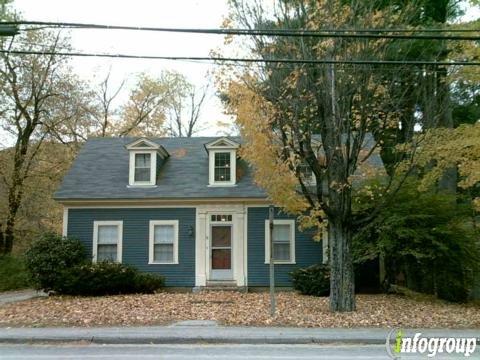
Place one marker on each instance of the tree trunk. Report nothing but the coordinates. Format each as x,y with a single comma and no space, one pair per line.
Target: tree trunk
448,182
2,241
13,206
9,235
342,280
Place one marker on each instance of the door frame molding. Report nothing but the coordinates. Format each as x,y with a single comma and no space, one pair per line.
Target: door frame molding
202,241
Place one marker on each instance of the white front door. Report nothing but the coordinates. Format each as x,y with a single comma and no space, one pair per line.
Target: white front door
221,249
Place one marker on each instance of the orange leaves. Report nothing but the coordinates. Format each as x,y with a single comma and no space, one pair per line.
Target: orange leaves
232,308
262,148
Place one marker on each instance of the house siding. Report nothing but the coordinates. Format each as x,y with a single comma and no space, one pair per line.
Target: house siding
307,251
136,235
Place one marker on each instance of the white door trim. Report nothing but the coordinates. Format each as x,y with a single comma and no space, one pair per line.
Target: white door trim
202,241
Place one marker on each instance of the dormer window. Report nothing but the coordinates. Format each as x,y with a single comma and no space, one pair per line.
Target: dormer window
145,155
222,155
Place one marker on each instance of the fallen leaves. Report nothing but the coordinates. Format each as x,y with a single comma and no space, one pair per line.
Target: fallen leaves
232,308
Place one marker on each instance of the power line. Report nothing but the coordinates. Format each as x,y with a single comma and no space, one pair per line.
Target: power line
247,60
321,33
430,70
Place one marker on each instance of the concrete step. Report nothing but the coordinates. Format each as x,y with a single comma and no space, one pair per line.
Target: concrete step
224,283
221,286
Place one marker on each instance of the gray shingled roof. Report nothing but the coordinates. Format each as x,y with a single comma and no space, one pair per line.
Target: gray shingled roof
101,169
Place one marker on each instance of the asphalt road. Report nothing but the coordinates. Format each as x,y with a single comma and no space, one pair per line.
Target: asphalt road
198,352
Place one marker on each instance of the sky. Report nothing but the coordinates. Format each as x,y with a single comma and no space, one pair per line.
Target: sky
149,13
153,13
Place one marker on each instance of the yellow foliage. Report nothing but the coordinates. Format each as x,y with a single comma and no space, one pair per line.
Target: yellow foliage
262,151
458,147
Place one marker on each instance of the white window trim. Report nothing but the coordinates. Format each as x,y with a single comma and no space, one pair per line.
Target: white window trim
292,240
119,224
153,168
233,167
153,223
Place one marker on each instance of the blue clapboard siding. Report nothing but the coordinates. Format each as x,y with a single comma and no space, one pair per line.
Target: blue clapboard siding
307,251
135,238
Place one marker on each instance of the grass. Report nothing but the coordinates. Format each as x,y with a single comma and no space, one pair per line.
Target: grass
13,273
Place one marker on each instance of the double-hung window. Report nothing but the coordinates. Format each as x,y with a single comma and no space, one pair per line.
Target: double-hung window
283,239
107,241
222,167
163,242
143,163
307,174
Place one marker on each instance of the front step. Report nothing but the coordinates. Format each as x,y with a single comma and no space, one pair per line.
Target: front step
220,285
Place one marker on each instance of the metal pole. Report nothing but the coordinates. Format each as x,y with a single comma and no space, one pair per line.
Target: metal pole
272,268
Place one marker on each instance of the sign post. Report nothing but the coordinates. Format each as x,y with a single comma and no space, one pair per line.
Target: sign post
272,268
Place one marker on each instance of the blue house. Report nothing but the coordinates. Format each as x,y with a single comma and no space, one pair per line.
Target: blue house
185,208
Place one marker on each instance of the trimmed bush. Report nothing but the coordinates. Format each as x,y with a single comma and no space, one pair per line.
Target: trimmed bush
107,278
313,280
51,255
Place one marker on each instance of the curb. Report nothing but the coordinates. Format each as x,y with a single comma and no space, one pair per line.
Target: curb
208,334
183,340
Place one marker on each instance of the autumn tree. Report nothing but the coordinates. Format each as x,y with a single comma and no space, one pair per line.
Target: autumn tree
104,111
34,102
318,117
185,106
144,112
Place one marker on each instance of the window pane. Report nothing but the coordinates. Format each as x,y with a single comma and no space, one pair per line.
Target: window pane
222,174
281,233
142,174
142,160
221,236
281,251
221,259
222,159
163,234
163,253
306,172
107,234
107,252
142,167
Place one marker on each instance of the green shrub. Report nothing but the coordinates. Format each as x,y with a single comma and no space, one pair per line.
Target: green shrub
428,242
13,273
148,283
313,280
60,264
106,278
49,256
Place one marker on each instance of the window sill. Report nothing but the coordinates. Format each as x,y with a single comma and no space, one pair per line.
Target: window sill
222,185
141,186
162,263
282,263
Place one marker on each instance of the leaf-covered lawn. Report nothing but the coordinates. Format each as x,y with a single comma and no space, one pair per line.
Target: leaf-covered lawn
232,308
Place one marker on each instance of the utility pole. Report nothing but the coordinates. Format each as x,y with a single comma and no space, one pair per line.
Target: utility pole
271,210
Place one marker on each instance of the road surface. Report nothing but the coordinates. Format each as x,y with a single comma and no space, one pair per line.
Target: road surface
193,351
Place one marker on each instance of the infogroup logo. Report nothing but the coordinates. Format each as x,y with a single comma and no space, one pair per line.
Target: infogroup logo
429,346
